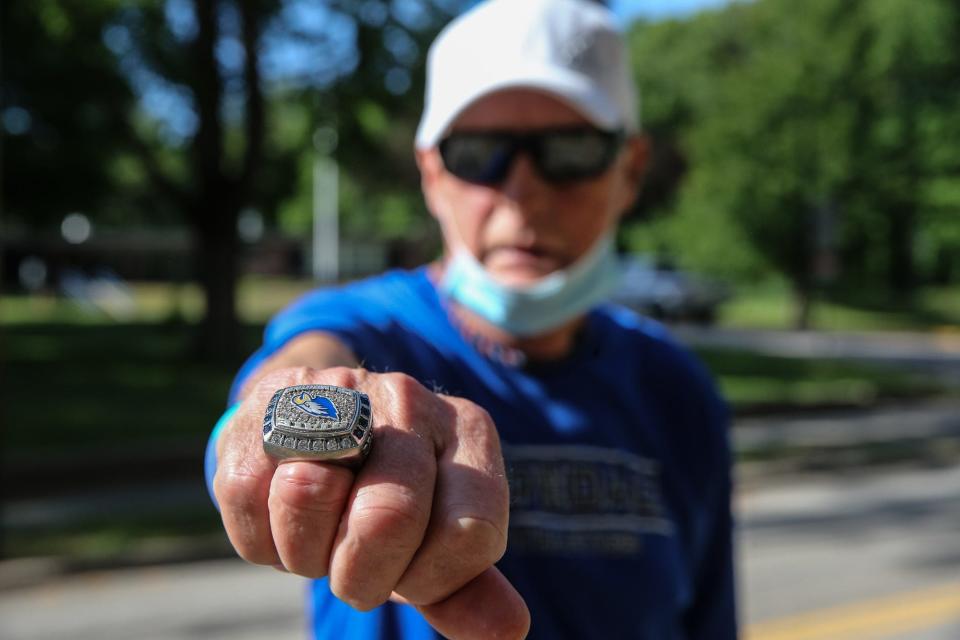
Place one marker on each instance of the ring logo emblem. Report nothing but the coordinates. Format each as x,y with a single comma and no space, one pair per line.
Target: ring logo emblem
338,427
315,406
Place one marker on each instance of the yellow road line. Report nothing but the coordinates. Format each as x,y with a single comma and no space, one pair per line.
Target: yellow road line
871,619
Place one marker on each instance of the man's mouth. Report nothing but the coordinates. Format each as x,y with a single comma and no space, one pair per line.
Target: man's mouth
520,265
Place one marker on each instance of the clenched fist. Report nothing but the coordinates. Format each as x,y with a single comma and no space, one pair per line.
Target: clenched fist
422,521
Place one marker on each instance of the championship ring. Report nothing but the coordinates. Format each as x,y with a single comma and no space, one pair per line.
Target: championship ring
318,422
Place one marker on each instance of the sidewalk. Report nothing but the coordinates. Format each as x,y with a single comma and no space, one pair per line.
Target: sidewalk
829,556
937,352
847,439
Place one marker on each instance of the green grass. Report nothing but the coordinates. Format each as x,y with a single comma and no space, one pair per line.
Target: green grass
770,306
767,306
753,382
76,378
258,298
108,537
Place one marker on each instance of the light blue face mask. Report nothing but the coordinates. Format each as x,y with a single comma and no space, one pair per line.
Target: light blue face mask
544,305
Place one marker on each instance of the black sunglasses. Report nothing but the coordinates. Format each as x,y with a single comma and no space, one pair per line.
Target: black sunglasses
559,155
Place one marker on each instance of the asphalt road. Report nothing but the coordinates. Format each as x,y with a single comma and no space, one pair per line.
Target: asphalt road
853,556
856,556
214,600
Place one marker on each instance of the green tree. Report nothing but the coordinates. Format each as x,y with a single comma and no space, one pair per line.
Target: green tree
817,133
64,104
180,107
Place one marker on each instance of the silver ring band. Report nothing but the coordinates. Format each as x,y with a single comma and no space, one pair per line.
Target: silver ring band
318,422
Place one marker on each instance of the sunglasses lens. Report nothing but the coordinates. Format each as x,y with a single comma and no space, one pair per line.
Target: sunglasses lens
477,157
561,155
575,154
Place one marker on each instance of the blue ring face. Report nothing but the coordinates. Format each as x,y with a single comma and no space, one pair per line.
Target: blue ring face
315,405
322,422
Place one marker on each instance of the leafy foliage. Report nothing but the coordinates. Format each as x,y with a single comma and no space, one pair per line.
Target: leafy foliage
192,110
817,138
62,99
813,143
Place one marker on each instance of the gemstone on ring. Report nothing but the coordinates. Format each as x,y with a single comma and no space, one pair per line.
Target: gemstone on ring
318,422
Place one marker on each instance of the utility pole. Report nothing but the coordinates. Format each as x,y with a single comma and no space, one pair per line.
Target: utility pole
326,198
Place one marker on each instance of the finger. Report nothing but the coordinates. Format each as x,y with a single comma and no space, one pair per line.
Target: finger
241,487
244,477
468,525
389,508
306,503
486,607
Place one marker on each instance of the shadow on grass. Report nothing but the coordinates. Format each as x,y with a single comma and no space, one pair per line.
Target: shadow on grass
74,387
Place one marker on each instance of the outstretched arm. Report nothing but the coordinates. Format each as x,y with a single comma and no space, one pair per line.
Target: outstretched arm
423,521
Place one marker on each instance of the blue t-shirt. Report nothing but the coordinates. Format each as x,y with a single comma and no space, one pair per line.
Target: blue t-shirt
617,458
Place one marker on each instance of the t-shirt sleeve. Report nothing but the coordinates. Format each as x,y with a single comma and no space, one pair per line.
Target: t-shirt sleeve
348,315
355,317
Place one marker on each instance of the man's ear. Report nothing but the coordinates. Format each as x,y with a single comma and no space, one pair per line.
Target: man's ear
638,148
635,163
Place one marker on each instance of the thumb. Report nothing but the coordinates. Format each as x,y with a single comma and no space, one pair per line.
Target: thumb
486,607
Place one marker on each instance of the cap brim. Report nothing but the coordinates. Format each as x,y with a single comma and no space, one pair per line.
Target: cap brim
569,88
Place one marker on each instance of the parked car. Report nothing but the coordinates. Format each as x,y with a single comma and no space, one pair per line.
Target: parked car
663,292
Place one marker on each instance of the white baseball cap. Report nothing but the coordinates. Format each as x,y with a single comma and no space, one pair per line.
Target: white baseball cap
571,49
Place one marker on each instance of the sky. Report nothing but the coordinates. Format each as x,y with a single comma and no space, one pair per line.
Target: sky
284,58
629,10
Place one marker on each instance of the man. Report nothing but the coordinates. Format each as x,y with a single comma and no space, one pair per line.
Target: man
616,521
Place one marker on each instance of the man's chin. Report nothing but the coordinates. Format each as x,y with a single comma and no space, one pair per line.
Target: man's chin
519,269
518,279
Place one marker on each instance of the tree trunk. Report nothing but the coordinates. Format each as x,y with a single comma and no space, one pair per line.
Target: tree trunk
217,264
221,196
802,307
901,266
214,237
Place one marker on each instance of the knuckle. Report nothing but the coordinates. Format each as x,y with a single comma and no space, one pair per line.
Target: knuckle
277,379
254,553
313,573
478,419
345,591
236,490
340,376
394,519
306,567
403,385
473,537
411,405
305,487
476,438
291,376
237,496
516,624
472,418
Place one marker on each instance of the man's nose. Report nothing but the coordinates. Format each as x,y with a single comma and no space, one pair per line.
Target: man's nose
525,186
